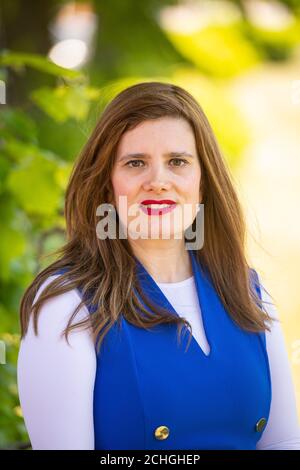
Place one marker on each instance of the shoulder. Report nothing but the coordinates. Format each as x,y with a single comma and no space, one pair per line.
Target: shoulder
56,311
269,305
49,348
269,337
275,338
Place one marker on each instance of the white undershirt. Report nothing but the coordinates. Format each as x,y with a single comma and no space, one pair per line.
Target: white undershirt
56,381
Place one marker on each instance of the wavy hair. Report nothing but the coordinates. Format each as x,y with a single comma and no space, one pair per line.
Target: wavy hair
105,270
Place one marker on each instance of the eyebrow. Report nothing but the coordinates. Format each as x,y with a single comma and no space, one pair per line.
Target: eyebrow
145,155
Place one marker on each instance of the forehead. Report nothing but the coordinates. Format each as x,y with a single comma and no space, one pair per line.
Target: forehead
166,133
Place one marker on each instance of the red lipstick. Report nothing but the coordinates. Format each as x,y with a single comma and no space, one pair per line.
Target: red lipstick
147,206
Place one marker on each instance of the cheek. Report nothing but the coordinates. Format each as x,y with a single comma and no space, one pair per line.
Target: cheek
190,185
123,186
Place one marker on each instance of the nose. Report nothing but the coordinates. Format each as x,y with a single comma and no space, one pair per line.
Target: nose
157,179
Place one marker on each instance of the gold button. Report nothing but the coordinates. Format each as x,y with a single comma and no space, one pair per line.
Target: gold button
162,432
260,424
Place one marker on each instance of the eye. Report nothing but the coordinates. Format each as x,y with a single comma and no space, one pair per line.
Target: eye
181,160
133,161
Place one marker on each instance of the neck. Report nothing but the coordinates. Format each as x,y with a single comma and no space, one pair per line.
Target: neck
165,262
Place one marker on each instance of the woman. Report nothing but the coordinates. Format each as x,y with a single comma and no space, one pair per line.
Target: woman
113,365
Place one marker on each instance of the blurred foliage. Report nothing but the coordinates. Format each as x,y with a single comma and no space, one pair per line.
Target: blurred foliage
275,45
215,50
12,426
52,110
65,102
32,184
20,60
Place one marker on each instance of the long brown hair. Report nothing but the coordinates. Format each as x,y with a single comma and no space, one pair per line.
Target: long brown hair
106,269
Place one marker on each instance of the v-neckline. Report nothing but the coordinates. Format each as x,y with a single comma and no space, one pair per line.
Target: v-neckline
155,289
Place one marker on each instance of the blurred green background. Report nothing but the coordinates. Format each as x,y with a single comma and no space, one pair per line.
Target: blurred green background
61,62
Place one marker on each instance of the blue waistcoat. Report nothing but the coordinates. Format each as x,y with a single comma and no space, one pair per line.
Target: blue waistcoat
152,393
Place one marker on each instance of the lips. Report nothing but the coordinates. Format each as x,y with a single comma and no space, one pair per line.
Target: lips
146,202
162,206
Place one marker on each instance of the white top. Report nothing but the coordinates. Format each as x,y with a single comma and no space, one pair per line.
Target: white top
56,381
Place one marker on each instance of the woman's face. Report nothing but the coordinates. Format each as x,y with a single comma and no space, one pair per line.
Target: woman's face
157,160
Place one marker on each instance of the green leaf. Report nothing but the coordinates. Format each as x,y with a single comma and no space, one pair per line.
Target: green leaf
19,151
34,185
217,50
62,174
18,60
12,245
4,171
276,44
15,123
65,102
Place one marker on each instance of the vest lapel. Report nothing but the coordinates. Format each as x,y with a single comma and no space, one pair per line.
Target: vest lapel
205,298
